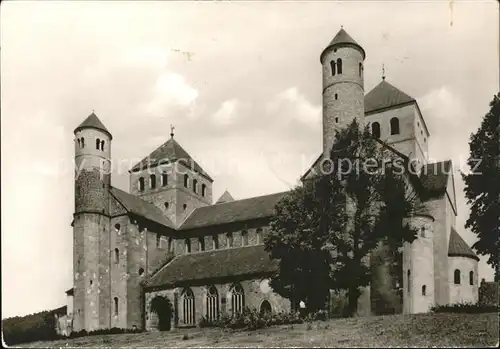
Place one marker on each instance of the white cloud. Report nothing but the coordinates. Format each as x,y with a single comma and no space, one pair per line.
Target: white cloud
292,104
226,114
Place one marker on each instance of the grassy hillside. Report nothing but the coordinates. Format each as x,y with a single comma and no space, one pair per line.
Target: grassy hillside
421,330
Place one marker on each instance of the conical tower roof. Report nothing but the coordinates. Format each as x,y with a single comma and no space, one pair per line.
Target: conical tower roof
225,197
92,121
342,38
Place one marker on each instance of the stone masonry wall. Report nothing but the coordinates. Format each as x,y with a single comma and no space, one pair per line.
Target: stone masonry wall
463,292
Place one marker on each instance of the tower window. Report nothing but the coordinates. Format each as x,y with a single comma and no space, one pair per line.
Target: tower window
409,280
166,205
195,185
187,244
336,120
471,278
332,67
141,271
424,290
141,184
360,69
184,207
339,66
456,277
116,305
201,242
186,180
97,143
117,226
203,190
394,126
83,142
79,145
102,145
117,256
164,179
215,241
244,238
229,239
422,232
336,96
152,181
376,130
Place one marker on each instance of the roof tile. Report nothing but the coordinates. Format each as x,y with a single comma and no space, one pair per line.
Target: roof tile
385,95
92,121
458,247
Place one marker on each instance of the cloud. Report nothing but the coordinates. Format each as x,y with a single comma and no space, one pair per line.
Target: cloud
226,114
292,104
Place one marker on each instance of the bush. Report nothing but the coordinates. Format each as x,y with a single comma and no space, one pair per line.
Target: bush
113,330
470,308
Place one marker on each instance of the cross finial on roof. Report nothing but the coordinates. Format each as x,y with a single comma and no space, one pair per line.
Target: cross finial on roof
383,71
172,128
341,26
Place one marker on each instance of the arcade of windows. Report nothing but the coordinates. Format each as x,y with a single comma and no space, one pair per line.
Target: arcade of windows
164,182
215,241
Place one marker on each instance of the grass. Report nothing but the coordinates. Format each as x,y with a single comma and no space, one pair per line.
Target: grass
418,330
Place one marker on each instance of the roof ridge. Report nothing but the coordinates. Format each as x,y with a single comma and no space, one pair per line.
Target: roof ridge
250,198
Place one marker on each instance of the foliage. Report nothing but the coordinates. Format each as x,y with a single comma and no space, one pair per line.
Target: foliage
163,308
104,331
481,185
324,230
470,308
29,328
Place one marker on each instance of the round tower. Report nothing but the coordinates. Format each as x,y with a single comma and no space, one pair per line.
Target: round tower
91,225
343,86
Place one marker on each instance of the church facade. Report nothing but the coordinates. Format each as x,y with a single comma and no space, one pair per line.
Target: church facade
167,237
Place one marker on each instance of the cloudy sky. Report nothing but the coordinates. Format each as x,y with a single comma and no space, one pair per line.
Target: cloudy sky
241,82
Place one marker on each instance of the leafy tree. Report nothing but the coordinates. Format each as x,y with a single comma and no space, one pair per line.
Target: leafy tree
324,231
482,185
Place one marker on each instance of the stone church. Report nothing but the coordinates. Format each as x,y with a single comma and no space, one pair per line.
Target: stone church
166,236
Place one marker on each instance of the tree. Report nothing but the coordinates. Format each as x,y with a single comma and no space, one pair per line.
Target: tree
324,231
482,188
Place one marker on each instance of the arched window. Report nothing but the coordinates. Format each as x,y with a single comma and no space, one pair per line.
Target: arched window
244,238
471,278
422,232
117,256
141,184
259,235
215,242
186,180
409,280
117,226
339,66
97,143
164,179
229,239
83,142
184,207
187,243
332,67
265,308
102,145
187,307
424,290
203,190
195,185
201,241
141,271
152,181
79,145
166,204
376,130
360,69
116,305
456,277
336,96
237,299
212,304
394,126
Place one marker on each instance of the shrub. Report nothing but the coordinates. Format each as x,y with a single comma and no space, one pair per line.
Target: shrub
113,330
251,319
470,308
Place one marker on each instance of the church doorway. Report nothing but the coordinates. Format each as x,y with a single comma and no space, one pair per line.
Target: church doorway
265,308
162,308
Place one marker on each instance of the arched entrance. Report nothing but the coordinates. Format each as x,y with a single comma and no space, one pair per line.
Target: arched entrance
265,308
162,308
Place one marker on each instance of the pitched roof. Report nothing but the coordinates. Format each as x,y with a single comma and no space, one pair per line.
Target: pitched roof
385,95
458,247
214,264
170,151
92,121
434,177
343,38
234,211
140,207
225,197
